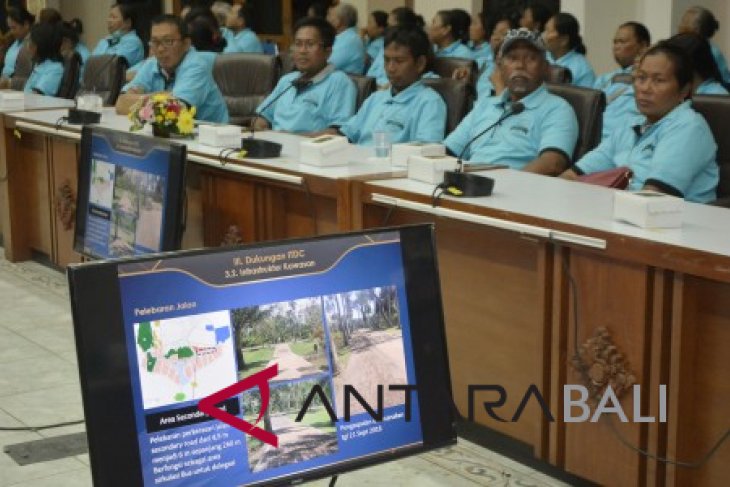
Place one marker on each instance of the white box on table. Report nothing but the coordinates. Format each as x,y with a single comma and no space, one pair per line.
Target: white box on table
325,150
219,135
12,100
648,209
430,169
401,152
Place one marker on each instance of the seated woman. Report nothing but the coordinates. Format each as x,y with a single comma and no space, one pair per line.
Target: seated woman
566,49
481,50
409,110
698,20
19,22
534,16
122,39
373,34
398,16
449,32
707,76
45,49
490,82
672,150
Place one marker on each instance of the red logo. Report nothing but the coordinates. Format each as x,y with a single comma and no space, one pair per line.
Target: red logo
260,379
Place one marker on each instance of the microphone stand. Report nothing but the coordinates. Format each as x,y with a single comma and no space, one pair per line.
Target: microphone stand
459,183
259,148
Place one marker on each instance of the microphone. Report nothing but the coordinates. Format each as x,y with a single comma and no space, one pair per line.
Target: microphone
514,109
83,116
261,149
459,183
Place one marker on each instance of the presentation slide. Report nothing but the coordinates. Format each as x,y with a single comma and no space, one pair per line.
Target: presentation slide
127,191
328,313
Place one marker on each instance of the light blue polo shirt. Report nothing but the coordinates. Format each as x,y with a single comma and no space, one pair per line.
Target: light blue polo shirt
128,45
547,123
377,69
210,57
676,153
417,113
348,53
373,48
227,34
721,62
10,57
711,87
193,83
579,67
244,41
327,102
485,87
621,106
45,78
482,54
455,49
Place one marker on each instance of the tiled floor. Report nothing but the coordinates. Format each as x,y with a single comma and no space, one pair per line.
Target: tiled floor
39,385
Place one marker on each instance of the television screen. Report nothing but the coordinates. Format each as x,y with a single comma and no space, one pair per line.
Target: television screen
262,365
130,194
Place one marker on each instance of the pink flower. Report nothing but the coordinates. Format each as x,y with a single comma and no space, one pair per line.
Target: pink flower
146,113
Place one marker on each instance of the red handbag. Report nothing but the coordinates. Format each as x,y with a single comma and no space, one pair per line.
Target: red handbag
613,178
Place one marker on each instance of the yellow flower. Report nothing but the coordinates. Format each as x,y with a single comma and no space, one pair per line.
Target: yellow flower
170,115
159,98
185,122
159,118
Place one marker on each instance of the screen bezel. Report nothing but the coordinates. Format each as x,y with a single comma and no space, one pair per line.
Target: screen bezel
174,195
105,373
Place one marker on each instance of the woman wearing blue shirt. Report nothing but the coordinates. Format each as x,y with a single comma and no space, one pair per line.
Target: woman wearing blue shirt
481,50
45,49
566,49
449,32
241,38
377,23
398,16
672,149
19,21
123,40
706,80
700,21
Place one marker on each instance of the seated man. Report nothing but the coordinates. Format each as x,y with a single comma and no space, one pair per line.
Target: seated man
177,68
348,52
241,37
629,43
671,149
541,137
409,110
316,95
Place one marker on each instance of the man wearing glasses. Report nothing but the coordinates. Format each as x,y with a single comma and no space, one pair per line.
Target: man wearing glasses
532,130
179,69
316,95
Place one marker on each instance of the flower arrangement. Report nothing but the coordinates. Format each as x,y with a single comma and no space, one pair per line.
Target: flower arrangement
166,114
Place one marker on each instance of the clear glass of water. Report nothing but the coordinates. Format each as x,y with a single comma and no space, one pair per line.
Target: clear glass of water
382,143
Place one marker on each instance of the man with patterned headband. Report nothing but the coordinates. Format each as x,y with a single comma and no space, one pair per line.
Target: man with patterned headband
533,130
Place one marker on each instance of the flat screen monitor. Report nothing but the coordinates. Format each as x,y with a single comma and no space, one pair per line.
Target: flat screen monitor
316,356
130,194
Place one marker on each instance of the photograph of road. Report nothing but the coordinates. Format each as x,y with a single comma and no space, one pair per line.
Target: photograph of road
136,219
313,437
289,334
102,184
366,346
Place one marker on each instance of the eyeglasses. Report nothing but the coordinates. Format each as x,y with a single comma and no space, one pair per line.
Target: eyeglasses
306,45
155,43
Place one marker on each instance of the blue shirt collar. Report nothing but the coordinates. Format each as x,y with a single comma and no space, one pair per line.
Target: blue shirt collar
531,101
677,112
567,56
405,96
450,48
348,32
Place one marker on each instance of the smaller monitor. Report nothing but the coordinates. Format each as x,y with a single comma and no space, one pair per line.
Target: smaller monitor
130,195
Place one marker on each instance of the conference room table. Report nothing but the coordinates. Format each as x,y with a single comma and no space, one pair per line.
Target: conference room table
539,273
31,102
228,199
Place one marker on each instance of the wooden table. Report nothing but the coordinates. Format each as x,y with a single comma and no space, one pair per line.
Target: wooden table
663,295
227,199
31,102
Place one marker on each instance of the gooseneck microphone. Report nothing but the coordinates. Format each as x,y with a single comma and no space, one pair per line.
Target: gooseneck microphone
459,183
261,149
512,109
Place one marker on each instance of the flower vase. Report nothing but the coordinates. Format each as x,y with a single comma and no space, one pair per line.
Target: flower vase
161,131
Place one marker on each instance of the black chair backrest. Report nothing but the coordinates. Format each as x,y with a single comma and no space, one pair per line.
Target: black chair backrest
70,79
445,67
588,105
245,79
104,75
459,96
23,68
559,75
287,63
365,86
716,110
